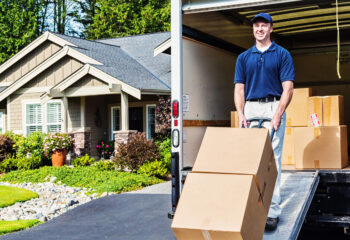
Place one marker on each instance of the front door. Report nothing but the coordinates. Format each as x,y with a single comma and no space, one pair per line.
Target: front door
136,118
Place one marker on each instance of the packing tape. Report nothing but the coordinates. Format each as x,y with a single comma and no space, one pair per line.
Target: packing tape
316,132
289,122
206,235
317,163
288,131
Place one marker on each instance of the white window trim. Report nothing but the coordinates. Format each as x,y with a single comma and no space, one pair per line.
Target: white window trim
112,108
43,113
147,128
3,121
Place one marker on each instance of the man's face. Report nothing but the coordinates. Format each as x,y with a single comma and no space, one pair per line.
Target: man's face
262,30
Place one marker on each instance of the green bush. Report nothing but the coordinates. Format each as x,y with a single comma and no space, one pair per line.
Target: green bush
135,152
164,148
104,165
156,169
6,147
85,160
22,163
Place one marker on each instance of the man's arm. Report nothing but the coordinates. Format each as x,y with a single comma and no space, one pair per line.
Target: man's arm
286,97
239,102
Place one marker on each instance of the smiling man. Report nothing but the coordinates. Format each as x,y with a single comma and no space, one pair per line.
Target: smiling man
264,79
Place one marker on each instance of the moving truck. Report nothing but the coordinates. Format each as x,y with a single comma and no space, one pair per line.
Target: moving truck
206,38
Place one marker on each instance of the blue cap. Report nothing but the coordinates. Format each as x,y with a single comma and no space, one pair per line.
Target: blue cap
265,16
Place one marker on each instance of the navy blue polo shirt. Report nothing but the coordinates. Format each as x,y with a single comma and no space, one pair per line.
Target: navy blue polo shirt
263,72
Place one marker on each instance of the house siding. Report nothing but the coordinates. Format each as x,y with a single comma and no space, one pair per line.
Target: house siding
33,59
88,81
74,121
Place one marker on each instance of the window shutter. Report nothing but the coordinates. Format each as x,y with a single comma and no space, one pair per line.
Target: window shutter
33,118
54,117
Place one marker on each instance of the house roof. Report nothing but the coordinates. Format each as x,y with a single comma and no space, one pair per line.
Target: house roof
118,60
2,89
141,48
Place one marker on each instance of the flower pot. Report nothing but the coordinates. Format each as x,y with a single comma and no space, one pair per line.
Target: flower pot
58,158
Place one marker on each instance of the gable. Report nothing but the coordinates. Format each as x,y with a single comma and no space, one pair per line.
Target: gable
88,81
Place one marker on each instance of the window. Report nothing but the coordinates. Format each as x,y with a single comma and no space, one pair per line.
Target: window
115,122
2,121
151,120
34,120
54,117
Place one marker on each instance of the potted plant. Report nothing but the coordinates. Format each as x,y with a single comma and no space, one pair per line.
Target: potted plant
57,145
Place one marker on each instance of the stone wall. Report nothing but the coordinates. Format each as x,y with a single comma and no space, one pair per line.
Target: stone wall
122,137
82,143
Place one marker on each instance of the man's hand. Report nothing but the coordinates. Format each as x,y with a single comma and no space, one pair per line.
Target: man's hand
276,122
242,120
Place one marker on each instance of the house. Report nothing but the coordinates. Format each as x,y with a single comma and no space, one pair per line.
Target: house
94,90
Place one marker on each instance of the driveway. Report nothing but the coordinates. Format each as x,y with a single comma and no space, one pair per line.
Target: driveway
136,215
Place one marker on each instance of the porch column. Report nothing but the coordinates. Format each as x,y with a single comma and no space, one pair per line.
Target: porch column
124,106
82,112
65,114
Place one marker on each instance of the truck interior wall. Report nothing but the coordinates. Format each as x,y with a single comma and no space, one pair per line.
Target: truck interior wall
208,74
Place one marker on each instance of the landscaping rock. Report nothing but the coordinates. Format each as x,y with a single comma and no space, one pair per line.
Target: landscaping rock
53,201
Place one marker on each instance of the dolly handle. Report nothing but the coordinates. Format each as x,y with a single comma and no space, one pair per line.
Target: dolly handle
261,121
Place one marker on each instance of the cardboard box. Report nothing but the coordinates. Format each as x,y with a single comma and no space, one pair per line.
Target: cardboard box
314,105
288,153
234,119
239,151
297,110
219,206
321,147
333,110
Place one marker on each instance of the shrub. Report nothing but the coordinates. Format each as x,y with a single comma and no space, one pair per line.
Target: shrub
156,169
105,165
135,152
164,148
105,149
58,142
32,162
6,147
163,117
8,165
85,160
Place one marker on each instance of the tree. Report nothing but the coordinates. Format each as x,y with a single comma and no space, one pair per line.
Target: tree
114,18
85,14
19,25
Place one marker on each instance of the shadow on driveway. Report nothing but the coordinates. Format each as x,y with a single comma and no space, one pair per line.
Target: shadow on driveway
122,216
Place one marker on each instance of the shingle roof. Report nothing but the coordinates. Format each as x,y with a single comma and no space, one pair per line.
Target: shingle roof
2,89
141,47
120,64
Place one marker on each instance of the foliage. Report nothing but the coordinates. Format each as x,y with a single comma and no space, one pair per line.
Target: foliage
58,142
32,144
105,149
12,226
84,14
11,195
163,117
105,165
88,177
135,152
22,163
115,18
156,169
18,25
6,147
164,148
85,160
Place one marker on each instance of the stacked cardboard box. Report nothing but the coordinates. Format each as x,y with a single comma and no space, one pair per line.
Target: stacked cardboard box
228,193
309,146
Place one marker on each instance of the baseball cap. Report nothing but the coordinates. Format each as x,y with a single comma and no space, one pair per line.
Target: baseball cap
265,16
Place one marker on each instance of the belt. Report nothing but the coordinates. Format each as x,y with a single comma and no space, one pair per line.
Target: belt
267,99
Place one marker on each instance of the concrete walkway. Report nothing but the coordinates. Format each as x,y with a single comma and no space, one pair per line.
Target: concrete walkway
131,216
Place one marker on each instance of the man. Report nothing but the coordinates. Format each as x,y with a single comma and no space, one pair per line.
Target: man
264,79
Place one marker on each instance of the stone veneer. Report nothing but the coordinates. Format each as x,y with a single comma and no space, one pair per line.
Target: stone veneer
122,137
82,143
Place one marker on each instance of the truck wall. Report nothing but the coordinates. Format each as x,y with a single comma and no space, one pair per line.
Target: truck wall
208,74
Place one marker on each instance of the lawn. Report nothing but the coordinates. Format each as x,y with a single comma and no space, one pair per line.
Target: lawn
89,177
11,195
11,226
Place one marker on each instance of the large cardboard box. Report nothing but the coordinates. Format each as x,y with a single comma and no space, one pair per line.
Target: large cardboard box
219,206
239,151
297,110
234,119
288,153
333,110
321,147
314,105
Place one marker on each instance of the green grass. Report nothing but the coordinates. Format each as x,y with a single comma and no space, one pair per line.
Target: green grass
89,177
12,226
11,195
